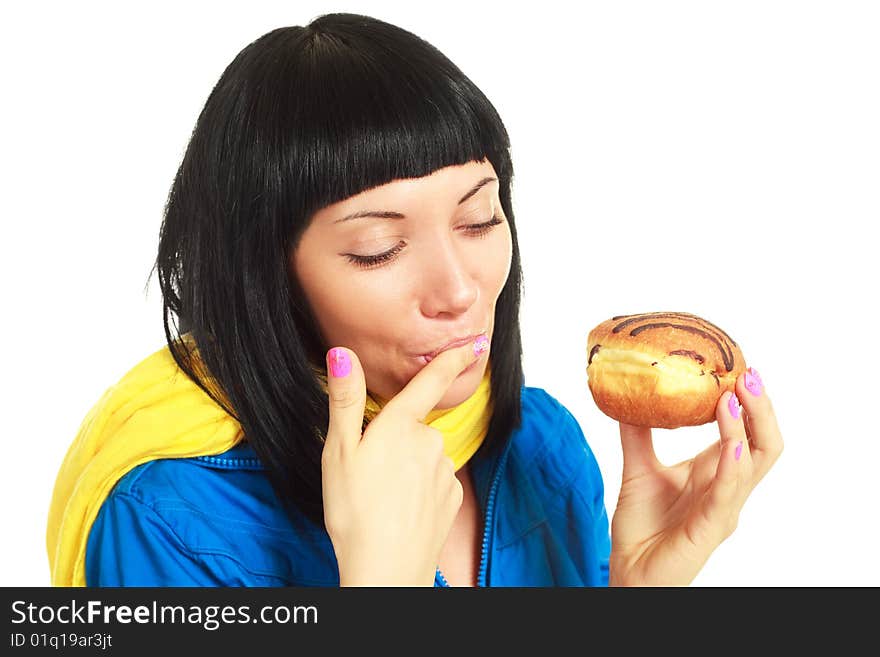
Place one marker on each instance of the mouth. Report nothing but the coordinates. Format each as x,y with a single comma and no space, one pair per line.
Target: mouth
459,342
423,360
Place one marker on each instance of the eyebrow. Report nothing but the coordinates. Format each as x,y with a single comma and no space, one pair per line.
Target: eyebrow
384,214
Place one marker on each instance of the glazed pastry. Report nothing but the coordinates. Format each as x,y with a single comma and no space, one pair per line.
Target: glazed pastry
663,369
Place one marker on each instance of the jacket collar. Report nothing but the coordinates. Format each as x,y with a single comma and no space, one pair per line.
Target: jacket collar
240,457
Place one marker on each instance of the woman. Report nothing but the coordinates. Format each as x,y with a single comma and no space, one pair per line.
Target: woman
341,399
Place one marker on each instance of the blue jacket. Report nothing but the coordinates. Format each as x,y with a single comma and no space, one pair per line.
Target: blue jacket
216,521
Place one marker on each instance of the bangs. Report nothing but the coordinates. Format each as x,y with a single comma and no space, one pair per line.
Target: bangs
360,109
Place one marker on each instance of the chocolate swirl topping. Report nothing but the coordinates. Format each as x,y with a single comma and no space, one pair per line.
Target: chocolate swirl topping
697,318
708,331
593,353
693,354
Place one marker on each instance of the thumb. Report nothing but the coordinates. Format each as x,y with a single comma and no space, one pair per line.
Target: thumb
347,395
638,451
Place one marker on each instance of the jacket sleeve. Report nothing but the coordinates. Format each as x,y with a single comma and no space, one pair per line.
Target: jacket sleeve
131,544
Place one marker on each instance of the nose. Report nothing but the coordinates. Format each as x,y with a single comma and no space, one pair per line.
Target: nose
450,285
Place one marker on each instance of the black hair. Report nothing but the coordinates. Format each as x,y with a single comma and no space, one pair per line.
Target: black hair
301,118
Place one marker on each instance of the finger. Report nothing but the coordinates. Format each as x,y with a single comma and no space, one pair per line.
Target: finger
347,394
762,429
638,451
425,390
723,499
729,414
721,504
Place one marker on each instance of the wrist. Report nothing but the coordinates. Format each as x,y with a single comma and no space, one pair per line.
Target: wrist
356,581
377,576
673,575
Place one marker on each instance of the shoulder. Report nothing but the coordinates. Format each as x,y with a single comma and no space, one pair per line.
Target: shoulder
550,438
228,492
218,513
547,425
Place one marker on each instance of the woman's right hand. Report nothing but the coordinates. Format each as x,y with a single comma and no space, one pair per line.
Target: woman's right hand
391,495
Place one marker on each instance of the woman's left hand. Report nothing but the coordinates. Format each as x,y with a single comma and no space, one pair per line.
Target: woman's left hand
669,519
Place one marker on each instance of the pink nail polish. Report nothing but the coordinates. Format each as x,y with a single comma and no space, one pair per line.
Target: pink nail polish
755,374
739,450
753,382
340,363
481,345
733,406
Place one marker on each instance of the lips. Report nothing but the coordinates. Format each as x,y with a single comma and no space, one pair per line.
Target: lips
458,342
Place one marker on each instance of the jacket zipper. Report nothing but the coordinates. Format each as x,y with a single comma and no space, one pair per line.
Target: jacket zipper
439,579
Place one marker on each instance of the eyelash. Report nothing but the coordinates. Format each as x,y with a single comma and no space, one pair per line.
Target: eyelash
478,230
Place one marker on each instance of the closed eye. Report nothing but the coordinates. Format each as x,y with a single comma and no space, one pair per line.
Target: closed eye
367,262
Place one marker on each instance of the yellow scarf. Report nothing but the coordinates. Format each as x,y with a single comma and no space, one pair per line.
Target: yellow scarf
155,411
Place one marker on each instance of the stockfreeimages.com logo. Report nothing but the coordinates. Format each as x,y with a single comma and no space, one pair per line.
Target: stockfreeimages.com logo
211,617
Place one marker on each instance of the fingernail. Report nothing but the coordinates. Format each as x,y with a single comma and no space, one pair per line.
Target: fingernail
481,345
755,374
733,406
340,363
753,382
739,450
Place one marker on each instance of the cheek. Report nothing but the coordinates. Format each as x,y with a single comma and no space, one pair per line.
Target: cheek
500,263
347,303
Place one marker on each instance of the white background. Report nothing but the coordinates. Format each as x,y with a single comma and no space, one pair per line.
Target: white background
715,158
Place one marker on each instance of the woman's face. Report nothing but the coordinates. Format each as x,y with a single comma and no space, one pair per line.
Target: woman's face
437,277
